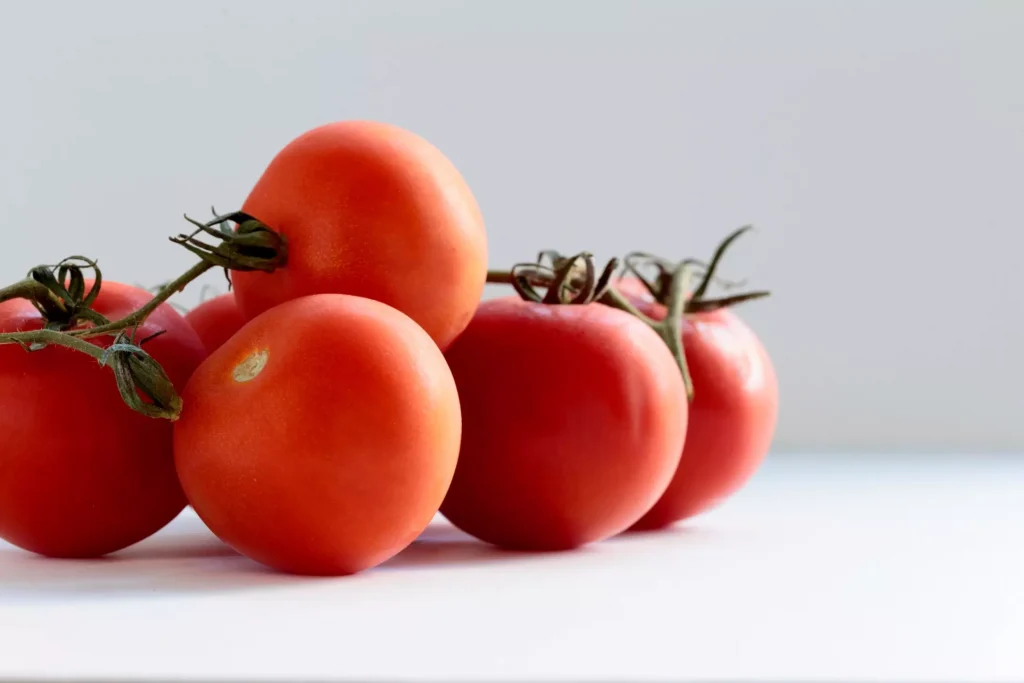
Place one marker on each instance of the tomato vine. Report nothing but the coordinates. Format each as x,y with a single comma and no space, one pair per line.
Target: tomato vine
241,242
58,292
574,280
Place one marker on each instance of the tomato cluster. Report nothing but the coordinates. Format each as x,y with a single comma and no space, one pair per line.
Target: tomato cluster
352,385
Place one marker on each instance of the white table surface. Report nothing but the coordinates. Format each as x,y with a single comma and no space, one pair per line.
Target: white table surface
824,568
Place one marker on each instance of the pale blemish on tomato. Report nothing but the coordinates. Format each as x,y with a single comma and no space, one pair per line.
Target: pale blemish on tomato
251,366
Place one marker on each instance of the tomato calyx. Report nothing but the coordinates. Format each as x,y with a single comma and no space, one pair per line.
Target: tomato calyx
137,372
60,295
659,283
249,245
58,292
567,280
574,281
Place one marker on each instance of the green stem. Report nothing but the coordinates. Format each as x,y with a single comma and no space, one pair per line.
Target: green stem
58,293
22,289
57,338
708,305
670,329
135,371
34,291
709,272
536,276
669,288
134,368
139,316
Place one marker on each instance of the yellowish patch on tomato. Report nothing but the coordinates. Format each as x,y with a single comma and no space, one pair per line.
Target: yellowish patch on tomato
251,366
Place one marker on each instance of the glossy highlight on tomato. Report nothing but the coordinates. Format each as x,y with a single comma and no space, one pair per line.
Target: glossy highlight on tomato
371,210
573,423
82,474
321,438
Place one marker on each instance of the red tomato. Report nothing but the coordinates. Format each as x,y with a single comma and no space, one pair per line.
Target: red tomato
321,438
732,416
371,210
573,422
84,475
215,320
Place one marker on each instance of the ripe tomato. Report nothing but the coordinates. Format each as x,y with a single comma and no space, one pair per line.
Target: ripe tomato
573,422
732,416
84,475
215,320
371,210
322,437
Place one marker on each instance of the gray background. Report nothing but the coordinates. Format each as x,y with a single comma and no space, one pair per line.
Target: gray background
878,146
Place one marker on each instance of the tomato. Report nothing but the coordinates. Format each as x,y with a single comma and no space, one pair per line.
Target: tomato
370,210
82,474
573,423
732,416
321,438
215,320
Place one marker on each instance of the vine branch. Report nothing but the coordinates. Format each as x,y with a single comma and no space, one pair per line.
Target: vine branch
59,294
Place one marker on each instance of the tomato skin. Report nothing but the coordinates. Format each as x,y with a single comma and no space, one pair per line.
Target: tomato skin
573,423
216,320
371,210
81,474
337,454
732,416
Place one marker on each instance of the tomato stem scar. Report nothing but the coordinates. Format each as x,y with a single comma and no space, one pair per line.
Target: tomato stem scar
251,366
